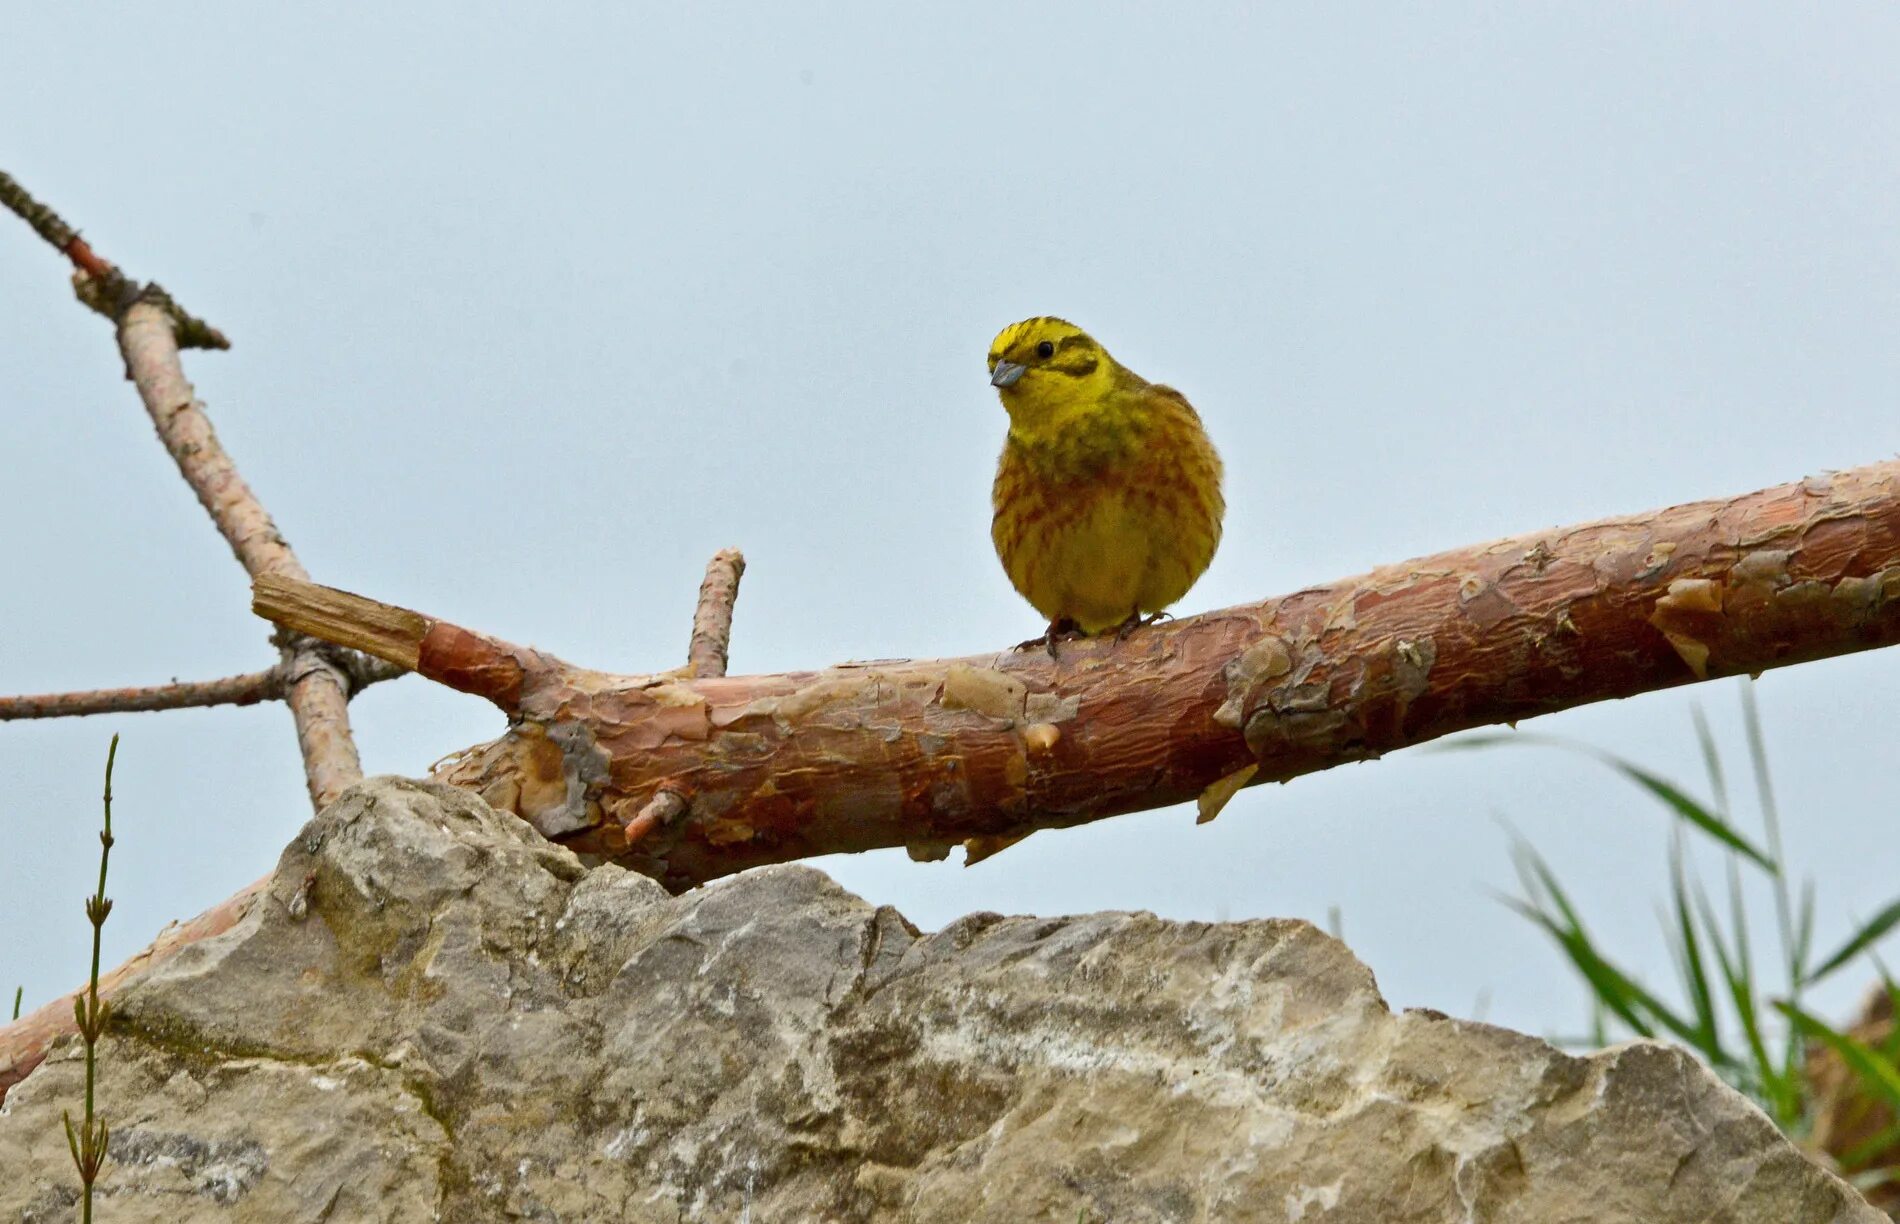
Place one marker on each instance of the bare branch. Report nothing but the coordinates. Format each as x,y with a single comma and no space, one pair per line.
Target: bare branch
318,689
484,666
712,619
97,282
980,750
45,222
248,689
390,634
151,328
150,347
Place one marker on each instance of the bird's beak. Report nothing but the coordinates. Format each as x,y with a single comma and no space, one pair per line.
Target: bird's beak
1006,374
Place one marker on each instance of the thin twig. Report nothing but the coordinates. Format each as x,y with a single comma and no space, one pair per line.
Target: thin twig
247,689
712,619
45,222
97,282
151,328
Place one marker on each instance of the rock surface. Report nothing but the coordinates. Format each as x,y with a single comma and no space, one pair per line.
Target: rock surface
435,1015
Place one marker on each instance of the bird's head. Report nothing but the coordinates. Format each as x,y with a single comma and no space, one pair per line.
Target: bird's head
1045,368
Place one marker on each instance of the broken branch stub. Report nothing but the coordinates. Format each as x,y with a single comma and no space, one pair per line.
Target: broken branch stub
926,753
712,617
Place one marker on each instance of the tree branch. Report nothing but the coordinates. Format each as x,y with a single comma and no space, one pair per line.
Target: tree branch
315,678
712,618
980,751
151,327
248,689
319,690
927,754
99,284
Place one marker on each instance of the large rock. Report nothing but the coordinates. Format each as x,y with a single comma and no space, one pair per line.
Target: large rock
435,1015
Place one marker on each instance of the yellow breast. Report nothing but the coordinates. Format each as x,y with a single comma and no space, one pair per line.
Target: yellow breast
1117,515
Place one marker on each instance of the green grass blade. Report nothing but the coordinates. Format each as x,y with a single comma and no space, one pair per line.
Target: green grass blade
1605,988
1803,935
1672,796
1636,1007
1688,809
1711,759
1694,969
1858,942
1776,1092
1878,1144
1486,739
1879,1075
1771,827
1547,879
1890,1047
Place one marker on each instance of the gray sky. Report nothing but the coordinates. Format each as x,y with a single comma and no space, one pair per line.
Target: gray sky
534,309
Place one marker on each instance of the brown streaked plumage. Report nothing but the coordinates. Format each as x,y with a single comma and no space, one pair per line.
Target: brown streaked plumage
1108,492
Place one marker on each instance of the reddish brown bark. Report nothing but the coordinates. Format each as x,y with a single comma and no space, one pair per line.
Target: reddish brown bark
712,618
927,754
719,774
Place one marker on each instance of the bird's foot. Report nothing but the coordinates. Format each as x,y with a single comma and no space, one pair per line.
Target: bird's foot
1061,629
1136,621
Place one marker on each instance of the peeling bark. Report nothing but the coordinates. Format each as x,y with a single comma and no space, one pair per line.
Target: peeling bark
987,749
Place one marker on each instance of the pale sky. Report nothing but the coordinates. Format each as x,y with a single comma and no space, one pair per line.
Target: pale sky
535,308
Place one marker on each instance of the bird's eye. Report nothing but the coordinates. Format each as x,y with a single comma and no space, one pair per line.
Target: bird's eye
1045,349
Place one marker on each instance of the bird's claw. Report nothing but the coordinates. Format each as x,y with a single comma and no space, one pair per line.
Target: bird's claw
1061,629
1136,621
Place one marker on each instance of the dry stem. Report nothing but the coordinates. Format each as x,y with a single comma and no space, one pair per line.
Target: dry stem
96,282
247,689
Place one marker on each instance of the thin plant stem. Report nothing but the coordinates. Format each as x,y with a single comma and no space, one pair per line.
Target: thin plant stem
88,1143
1771,826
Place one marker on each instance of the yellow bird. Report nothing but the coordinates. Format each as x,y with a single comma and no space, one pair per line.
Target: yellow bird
1107,497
